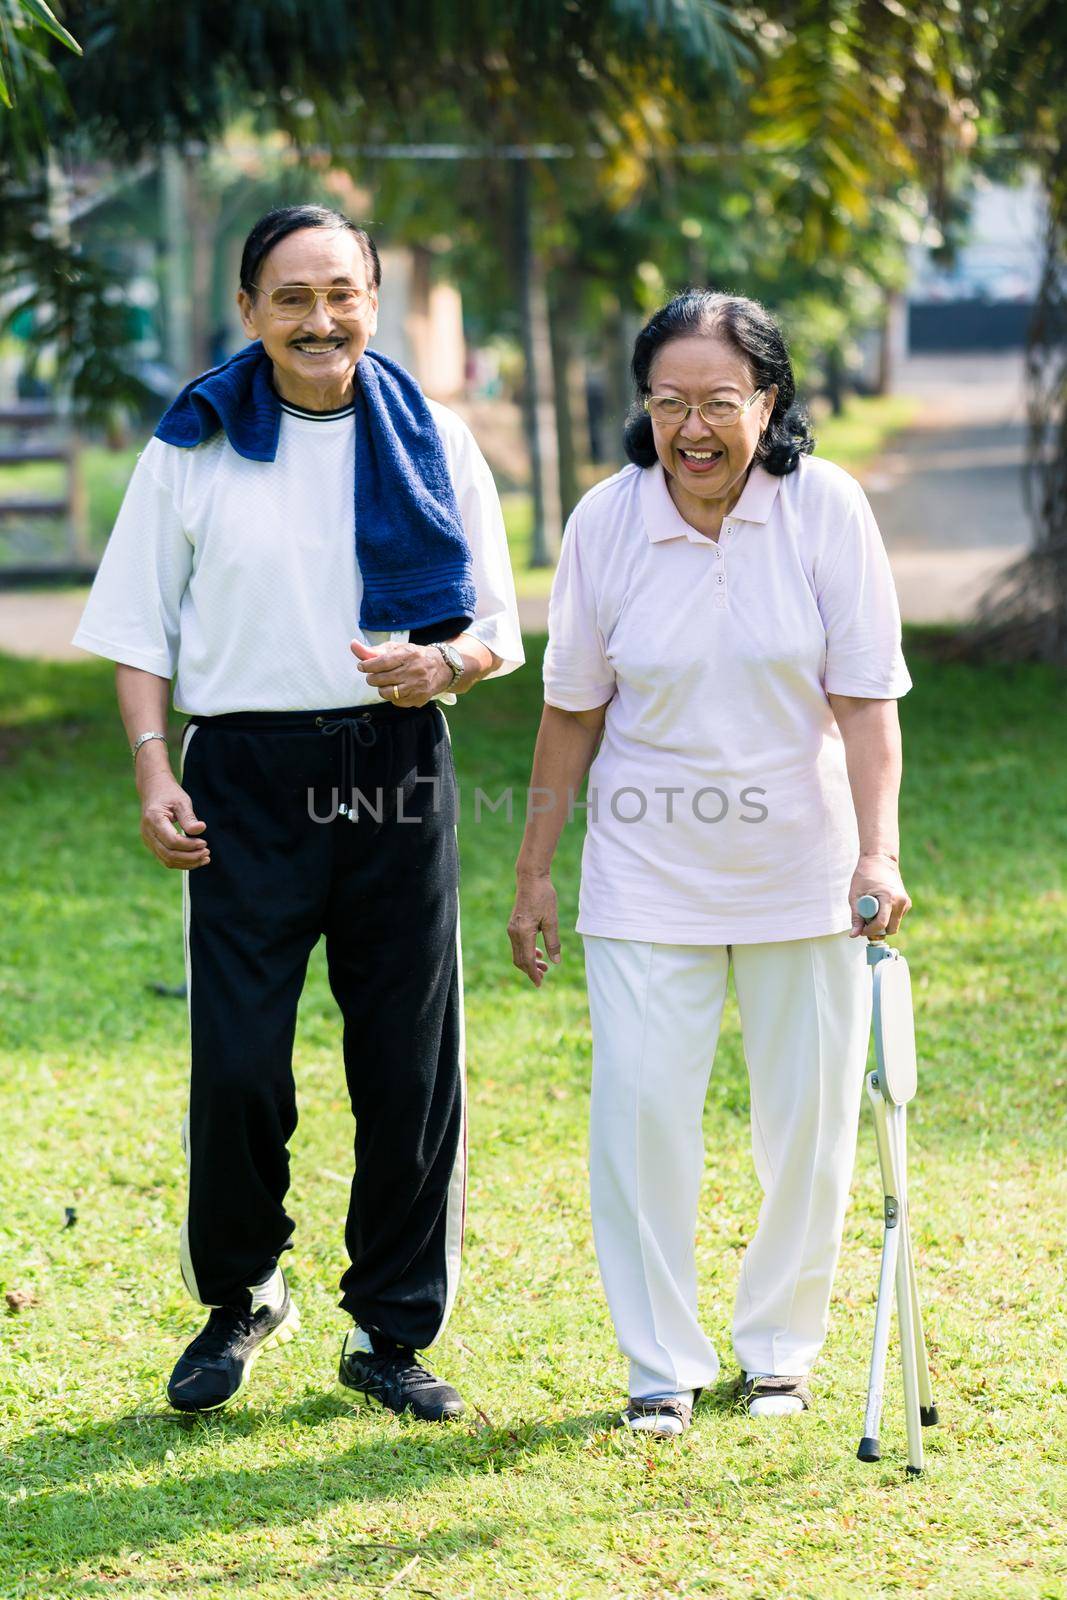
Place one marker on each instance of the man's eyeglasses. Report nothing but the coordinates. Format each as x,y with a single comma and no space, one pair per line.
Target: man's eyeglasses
669,410
292,301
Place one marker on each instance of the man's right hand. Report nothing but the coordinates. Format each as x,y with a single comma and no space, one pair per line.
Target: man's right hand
165,807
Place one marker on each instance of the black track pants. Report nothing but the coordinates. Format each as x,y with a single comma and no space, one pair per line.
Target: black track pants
383,891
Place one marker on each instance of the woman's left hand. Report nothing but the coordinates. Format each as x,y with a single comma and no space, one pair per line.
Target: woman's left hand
880,876
403,674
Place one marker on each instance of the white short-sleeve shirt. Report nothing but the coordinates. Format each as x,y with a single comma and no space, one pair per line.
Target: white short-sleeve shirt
239,578
719,803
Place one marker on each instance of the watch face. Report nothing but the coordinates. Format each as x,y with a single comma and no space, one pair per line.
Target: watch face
454,659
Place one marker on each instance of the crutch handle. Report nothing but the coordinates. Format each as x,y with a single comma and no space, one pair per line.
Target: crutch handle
867,906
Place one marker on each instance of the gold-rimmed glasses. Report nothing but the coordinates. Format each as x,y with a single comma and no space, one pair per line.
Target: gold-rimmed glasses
290,302
669,410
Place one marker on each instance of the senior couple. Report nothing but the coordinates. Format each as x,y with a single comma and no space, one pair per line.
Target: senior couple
314,553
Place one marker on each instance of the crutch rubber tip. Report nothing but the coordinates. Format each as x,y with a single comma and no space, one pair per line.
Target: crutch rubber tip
868,1450
928,1416
914,1472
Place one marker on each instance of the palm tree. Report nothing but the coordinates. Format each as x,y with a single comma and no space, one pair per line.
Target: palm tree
20,60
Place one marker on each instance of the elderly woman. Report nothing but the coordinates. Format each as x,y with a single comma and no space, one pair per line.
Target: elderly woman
724,639
304,484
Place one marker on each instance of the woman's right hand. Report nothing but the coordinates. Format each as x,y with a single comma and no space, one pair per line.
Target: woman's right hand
535,912
165,807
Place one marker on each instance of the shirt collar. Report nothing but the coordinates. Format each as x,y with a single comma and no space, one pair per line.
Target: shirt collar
664,521
758,497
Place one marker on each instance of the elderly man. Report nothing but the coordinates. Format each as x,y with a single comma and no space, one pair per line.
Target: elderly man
304,484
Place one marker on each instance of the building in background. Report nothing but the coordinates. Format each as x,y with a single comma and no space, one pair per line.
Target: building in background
984,299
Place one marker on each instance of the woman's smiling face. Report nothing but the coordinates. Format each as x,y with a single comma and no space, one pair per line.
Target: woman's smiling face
708,463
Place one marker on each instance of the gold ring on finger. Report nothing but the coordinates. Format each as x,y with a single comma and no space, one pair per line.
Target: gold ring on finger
396,693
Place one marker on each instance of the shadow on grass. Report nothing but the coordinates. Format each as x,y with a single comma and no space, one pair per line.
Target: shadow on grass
71,1513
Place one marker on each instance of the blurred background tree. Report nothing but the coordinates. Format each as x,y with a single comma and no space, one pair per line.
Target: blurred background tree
1023,49
570,162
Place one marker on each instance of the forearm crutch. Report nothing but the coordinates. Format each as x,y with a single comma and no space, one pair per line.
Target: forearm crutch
889,1088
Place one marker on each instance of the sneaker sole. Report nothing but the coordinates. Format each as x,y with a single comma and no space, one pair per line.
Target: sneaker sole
286,1331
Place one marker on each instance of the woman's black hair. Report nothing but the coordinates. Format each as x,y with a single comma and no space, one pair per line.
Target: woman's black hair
284,220
754,334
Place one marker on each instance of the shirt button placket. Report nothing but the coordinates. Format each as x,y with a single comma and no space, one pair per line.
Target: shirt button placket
720,577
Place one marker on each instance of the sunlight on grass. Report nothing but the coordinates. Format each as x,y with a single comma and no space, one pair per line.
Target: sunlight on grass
534,1495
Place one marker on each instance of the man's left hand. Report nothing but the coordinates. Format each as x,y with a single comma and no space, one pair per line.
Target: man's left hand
403,674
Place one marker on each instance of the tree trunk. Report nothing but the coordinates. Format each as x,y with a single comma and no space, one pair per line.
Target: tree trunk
893,341
617,385
567,379
202,215
538,407
835,380
177,296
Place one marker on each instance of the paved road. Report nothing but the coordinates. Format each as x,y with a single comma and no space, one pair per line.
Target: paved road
948,496
40,623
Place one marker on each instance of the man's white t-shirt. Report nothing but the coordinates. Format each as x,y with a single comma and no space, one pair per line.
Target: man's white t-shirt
240,577
720,809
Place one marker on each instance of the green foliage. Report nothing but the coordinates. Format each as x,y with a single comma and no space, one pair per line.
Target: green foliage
534,1496
802,179
78,307
21,64
788,153
518,68
521,71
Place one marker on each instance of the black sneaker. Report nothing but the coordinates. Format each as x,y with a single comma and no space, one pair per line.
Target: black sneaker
215,1367
390,1375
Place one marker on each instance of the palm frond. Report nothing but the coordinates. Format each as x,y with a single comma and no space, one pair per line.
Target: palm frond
46,18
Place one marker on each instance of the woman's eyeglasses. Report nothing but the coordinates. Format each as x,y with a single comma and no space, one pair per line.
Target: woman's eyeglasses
669,410
292,301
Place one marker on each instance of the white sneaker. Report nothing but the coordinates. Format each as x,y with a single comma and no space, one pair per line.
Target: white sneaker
663,1416
774,1395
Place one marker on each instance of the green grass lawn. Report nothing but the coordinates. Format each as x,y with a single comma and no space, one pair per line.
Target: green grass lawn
864,427
103,1492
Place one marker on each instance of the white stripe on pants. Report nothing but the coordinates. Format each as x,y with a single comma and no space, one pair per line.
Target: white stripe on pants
805,1023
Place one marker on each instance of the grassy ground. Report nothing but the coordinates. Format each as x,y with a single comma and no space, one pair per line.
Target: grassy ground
851,440
102,1491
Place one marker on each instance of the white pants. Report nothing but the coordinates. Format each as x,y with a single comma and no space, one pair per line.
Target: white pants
805,1021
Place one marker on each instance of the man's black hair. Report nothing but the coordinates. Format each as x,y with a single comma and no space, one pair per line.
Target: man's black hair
284,220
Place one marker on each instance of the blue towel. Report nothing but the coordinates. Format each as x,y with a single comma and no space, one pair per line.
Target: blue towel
412,552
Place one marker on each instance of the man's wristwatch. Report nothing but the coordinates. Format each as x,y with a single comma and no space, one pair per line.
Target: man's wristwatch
453,660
